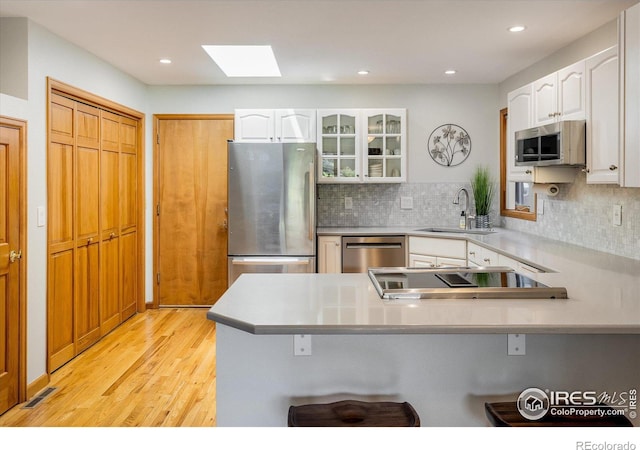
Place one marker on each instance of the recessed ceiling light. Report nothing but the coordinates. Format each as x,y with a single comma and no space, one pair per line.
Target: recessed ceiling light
450,72
517,28
244,60
363,72
165,61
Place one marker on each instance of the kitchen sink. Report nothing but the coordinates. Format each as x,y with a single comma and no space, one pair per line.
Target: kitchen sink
457,230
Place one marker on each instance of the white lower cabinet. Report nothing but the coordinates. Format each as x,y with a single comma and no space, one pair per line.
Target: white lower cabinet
481,256
435,252
329,254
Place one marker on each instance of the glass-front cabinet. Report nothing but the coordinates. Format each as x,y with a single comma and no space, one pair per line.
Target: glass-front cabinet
338,144
362,145
386,149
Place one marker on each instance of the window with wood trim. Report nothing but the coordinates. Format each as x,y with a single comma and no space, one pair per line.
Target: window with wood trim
525,198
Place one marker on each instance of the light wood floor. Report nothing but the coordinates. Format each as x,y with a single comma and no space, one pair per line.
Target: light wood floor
156,369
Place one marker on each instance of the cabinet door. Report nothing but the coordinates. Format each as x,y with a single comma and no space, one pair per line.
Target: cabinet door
418,260
295,125
520,104
338,145
450,262
384,158
545,100
630,94
571,92
87,300
329,254
603,137
254,125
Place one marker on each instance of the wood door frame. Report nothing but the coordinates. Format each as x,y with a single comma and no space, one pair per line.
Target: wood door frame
55,86
21,126
156,187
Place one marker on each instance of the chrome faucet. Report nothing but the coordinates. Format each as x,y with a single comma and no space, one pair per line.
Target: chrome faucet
456,201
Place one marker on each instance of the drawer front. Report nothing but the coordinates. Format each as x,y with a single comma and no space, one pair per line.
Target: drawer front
451,248
481,256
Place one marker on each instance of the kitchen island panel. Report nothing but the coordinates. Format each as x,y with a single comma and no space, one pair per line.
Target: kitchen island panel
447,378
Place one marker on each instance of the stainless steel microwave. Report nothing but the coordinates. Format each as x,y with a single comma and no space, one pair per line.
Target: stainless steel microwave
560,143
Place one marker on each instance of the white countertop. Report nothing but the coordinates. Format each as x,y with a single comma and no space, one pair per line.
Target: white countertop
603,289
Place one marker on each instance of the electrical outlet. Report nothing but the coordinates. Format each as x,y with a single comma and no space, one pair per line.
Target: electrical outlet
517,344
406,202
301,345
348,203
617,215
540,206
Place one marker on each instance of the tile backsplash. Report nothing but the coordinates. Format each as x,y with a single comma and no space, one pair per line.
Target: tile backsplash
379,205
580,214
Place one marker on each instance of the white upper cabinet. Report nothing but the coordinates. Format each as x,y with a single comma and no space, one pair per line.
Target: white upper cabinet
560,95
296,125
630,95
385,152
603,133
545,100
362,146
571,94
275,125
339,146
520,104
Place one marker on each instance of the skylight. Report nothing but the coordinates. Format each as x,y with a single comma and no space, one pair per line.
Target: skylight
244,60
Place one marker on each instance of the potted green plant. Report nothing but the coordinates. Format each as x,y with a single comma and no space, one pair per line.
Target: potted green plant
483,188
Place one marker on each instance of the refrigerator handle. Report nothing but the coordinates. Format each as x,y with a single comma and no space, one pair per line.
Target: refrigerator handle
312,189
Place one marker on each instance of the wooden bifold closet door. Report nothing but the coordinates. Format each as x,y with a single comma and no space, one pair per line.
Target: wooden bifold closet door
92,168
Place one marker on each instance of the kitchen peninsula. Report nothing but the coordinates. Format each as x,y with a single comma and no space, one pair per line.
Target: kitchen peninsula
446,357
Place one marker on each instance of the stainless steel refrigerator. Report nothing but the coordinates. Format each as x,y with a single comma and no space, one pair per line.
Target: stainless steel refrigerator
272,205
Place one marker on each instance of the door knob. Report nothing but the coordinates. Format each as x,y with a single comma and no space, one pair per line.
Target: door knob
224,224
612,167
13,256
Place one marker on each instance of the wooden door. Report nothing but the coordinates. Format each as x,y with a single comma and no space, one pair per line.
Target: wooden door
10,272
86,279
191,193
60,192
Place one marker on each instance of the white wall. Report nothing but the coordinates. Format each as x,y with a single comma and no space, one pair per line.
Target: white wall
474,107
13,56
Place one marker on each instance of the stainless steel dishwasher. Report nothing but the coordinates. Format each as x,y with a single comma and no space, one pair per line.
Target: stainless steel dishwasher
362,252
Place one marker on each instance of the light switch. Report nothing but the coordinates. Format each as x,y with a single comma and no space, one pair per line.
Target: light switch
41,217
617,215
348,203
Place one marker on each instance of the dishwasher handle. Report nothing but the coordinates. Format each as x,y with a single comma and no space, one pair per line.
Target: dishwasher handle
372,245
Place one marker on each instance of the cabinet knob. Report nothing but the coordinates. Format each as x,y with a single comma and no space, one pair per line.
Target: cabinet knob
112,235
528,172
612,167
487,260
90,240
586,170
550,114
472,253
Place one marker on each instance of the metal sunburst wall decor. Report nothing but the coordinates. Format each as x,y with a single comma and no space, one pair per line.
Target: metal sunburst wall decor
449,145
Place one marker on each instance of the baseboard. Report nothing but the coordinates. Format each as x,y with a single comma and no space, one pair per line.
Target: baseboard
37,385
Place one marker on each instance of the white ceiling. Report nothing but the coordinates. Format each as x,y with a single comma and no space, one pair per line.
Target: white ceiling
322,41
